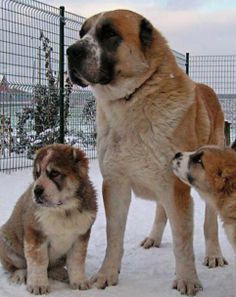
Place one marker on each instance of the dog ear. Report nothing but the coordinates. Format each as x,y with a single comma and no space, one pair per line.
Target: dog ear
233,146
226,182
83,30
81,161
146,32
87,24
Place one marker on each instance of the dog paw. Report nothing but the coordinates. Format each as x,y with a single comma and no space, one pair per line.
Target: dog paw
105,279
18,276
187,287
38,289
82,284
214,261
149,242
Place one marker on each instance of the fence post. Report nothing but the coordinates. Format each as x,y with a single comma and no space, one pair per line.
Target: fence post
227,133
187,64
61,74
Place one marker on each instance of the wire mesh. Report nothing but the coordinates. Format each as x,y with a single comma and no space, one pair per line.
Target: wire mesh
29,84
82,102
219,72
23,75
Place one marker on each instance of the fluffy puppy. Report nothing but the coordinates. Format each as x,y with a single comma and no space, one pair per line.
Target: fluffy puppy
50,225
211,170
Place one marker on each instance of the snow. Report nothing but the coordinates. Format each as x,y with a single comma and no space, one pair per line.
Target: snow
146,273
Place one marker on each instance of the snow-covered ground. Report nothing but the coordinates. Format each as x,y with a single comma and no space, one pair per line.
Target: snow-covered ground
146,273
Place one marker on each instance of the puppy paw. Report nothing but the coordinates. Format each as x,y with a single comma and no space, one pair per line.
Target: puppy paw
149,242
82,284
214,261
18,276
105,279
187,287
38,289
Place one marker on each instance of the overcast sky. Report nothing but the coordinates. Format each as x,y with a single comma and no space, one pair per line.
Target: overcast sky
206,27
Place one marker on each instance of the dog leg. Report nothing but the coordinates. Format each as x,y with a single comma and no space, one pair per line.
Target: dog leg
214,257
155,236
117,196
36,253
179,208
9,258
75,263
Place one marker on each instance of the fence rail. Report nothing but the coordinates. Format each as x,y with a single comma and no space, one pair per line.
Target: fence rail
38,105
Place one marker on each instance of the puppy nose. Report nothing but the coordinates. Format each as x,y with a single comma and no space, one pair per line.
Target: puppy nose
178,155
76,51
38,191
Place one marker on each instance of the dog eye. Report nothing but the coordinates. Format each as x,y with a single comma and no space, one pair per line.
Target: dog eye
54,173
107,32
110,34
197,159
37,174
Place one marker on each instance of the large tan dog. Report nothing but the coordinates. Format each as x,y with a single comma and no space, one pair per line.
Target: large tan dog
51,222
147,110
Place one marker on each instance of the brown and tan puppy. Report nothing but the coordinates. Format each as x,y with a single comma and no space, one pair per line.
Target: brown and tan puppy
50,225
147,110
211,170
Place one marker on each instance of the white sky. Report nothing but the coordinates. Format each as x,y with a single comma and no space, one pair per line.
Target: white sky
196,26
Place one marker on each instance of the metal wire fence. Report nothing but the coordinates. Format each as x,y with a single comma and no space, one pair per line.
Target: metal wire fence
34,109
30,84
38,104
219,72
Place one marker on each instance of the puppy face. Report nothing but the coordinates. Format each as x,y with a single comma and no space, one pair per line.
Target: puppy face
211,170
59,171
113,52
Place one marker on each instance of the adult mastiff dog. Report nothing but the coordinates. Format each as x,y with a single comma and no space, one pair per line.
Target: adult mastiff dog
147,110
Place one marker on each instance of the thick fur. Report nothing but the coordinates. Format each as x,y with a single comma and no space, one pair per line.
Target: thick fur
50,225
211,170
147,110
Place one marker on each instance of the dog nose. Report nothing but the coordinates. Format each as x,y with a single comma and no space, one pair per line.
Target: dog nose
38,192
76,51
178,155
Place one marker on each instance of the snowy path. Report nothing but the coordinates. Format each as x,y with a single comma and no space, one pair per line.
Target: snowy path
146,273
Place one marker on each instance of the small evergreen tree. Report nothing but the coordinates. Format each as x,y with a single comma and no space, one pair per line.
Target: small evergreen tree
45,112
6,139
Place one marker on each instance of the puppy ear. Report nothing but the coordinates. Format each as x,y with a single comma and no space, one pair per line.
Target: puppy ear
226,183
146,32
81,161
233,146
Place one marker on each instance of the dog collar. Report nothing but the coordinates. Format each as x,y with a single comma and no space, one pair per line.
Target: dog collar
128,97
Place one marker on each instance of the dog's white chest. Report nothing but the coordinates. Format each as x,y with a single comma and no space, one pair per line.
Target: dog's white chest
60,245
63,231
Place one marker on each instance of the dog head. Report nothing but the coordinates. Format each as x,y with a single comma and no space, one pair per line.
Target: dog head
59,173
116,53
211,170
